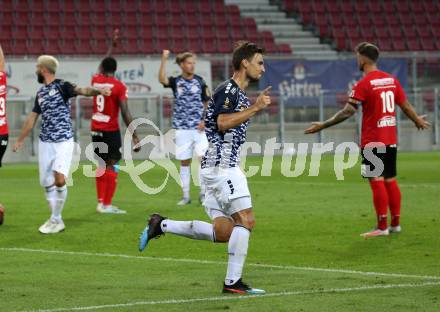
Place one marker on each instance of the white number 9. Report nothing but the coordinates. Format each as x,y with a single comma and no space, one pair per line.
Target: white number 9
100,100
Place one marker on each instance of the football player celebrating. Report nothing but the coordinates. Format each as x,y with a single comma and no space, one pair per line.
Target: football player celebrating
191,96
228,200
105,129
55,149
377,93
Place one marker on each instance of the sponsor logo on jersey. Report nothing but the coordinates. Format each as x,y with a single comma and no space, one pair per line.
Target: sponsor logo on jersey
382,82
387,121
2,121
227,104
52,92
101,117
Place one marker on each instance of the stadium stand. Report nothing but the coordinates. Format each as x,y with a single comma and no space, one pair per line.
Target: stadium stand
147,26
393,25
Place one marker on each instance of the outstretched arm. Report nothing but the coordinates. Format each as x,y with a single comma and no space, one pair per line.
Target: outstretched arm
27,127
126,116
90,91
419,121
163,79
114,43
339,117
2,59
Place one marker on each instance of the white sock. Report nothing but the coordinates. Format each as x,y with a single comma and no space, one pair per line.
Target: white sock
61,195
202,184
51,199
191,229
185,177
237,250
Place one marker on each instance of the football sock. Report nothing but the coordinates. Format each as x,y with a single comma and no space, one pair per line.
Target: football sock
110,184
51,199
202,184
380,200
100,184
237,250
395,197
191,229
61,195
185,176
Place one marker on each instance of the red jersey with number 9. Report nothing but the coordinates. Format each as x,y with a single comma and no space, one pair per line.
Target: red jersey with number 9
378,93
106,108
3,121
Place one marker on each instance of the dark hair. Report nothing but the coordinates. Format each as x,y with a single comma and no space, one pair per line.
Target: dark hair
109,65
244,50
181,57
368,50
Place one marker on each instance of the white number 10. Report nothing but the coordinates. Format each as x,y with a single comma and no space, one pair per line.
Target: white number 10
100,100
387,101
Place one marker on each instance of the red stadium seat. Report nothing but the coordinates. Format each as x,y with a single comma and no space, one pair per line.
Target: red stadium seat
19,33
385,45
399,45
20,47
146,46
413,44
428,45
284,48
416,7
424,32
179,45
36,47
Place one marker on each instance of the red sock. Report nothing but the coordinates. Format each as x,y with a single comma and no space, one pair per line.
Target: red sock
111,181
395,197
380,199
100,184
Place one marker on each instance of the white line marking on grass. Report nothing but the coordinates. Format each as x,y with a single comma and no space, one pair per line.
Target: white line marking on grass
258,265
229,298
342,183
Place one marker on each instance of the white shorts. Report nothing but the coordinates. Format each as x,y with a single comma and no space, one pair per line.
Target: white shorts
227,191
188,141
54,157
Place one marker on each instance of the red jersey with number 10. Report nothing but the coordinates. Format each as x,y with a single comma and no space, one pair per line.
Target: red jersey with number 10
3,121
378,92
106,108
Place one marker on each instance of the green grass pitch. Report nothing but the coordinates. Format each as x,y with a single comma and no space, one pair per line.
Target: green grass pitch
305,250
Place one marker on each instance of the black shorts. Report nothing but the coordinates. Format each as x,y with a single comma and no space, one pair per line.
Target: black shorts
4,139
371,158
113,141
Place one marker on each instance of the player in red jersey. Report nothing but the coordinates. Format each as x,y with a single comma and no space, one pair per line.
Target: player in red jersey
4,136
105,129
378,93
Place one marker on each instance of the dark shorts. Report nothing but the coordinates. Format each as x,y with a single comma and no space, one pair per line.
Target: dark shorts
4,139
113,141
371,158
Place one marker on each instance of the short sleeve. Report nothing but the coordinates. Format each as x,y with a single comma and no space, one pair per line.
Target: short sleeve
171,83
205,91
37,107
68,89
123,93
358,94
400,96
225,103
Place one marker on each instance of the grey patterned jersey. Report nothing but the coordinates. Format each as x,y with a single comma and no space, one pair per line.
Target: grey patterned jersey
188,106
52,103
224,147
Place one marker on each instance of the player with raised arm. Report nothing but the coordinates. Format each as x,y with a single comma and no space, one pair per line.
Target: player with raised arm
4,133
105,129
377,93
191,96
228,200
56,144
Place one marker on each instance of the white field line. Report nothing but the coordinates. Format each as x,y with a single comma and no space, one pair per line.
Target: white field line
231,298
342,183
197,261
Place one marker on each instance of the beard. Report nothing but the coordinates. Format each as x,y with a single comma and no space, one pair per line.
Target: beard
40,78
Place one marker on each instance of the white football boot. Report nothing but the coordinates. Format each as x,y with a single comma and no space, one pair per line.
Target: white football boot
375,232
395,229
52,227
109,209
